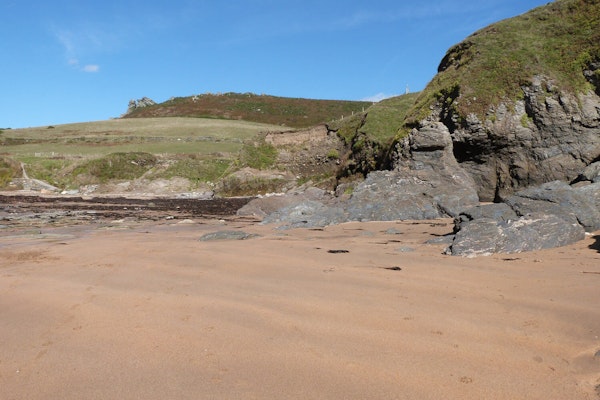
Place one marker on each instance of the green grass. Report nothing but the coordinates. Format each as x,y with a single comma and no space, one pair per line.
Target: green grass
258,154
385,118
196,168
9,169
73,154
557,40
379,123
117,166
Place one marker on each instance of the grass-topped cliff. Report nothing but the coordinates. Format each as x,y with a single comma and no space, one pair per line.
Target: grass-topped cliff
559,41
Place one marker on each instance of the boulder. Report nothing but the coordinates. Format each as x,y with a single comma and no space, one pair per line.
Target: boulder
499,212
550,215
307,214
591,193
265,205
395,195
536,231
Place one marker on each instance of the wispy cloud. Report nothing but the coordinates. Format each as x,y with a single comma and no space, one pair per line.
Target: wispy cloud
83,43
91,68
75,45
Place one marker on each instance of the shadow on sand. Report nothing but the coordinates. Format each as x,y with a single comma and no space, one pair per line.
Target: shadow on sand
596,244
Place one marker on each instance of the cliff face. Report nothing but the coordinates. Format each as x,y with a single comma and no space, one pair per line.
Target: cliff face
520,99
549,135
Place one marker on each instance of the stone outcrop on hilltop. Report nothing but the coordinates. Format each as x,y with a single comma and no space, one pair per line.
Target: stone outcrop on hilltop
139,103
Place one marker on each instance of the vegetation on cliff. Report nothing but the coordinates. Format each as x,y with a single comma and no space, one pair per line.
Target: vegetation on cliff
560,41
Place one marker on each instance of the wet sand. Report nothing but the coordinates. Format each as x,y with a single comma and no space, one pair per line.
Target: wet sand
146,310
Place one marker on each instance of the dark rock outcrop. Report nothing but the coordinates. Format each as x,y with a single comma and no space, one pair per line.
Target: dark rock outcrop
547,136
551,215
427,184
487,236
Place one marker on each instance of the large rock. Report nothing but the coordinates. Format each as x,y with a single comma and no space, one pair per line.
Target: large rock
395,195
268,205
500,212
307,214
139,103
427,183
537,231
591,193
550,215
591,173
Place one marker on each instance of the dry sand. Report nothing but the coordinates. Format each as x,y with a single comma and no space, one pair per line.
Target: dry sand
147,311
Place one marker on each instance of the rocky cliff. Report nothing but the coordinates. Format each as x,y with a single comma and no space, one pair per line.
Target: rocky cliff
520,99
548,135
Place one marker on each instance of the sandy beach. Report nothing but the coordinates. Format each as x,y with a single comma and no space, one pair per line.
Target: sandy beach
145,310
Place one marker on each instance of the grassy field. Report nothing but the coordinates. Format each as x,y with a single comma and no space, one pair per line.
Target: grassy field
154,135
71,155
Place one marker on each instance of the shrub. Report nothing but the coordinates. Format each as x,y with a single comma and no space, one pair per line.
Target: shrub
333,154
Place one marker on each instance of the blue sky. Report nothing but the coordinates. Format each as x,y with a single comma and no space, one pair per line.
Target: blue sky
74,61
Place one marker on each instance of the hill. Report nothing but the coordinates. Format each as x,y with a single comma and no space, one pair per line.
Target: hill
284,111
228,156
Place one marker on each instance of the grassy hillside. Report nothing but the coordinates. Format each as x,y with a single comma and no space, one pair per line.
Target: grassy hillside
206,150
290,112
558,40
71,155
